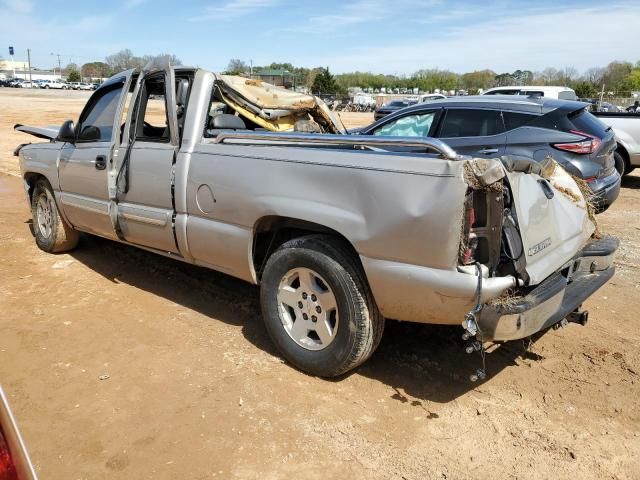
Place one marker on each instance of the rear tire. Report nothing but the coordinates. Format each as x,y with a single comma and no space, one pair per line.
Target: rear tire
319,273
52,233
621,163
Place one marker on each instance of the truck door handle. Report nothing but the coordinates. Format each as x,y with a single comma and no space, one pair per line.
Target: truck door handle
101,162
488,151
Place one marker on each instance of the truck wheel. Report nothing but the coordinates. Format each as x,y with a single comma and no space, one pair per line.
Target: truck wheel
317,306
52,233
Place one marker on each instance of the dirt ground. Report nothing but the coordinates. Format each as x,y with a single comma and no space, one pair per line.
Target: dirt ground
124,365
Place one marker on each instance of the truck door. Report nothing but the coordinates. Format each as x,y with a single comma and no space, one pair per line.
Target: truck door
84,164
145,199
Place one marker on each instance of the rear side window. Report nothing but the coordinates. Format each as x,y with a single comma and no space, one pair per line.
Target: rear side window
471,123
587,123
408,126
504,92
567,95
516,119
527,93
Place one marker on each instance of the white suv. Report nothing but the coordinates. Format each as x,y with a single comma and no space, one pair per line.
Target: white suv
562,93
57,84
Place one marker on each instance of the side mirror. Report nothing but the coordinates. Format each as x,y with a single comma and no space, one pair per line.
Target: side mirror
67,132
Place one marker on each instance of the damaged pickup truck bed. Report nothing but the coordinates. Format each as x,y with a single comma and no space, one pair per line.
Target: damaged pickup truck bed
339,232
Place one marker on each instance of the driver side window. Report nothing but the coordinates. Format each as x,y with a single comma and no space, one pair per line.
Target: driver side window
96,124
408,126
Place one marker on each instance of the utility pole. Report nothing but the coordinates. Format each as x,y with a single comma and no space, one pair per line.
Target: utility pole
251,68
59,64
29,60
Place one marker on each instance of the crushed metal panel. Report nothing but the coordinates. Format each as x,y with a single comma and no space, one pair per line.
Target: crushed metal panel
553,219
274,108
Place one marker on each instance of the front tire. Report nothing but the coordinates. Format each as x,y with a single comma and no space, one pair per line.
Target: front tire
317,306
52,233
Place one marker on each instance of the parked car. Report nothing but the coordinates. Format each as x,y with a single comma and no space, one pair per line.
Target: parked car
53,84
492,126
609,107
4,83
27,84
561,93
337,236
15,83
391,107
84,86
626,127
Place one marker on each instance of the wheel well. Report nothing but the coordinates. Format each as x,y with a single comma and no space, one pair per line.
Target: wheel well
31,179
625,155
271,232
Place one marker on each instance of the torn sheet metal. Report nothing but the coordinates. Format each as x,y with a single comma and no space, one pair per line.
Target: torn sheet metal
274,108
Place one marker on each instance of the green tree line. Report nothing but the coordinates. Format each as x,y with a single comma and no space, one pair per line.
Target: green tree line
618,77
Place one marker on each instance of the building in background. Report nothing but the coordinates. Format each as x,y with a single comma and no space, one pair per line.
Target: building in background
10,65
24,74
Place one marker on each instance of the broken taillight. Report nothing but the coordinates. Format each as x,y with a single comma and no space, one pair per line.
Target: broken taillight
7,467
589,145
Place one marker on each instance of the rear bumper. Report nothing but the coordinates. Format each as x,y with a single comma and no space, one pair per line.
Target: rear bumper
606,190
555,298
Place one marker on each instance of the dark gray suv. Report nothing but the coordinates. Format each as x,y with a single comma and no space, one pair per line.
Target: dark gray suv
524,126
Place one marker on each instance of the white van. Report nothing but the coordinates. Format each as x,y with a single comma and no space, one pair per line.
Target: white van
562,93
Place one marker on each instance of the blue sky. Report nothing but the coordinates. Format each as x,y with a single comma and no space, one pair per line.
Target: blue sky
382,36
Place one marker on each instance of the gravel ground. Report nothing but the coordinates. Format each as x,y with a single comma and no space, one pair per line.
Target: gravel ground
120,364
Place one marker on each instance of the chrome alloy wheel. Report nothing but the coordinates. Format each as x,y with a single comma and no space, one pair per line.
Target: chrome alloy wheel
44,215
307,308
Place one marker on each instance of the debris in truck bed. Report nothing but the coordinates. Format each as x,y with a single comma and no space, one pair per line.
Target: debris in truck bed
274,108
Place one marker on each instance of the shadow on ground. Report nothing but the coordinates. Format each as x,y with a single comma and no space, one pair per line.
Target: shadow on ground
424,361
631,181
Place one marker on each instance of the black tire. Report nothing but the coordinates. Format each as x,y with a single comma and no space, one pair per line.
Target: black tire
621,163
360,325
61,237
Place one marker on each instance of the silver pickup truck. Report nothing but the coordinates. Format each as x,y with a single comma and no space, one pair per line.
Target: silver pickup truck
339,232
626,127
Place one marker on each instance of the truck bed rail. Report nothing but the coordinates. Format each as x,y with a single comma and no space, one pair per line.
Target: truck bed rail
363,141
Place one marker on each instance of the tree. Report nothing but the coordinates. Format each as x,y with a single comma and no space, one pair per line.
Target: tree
73,76
69,68
123,60
170,58
634,79
237,67
324,83
480,79
585,89
594,76
616,75
96,70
